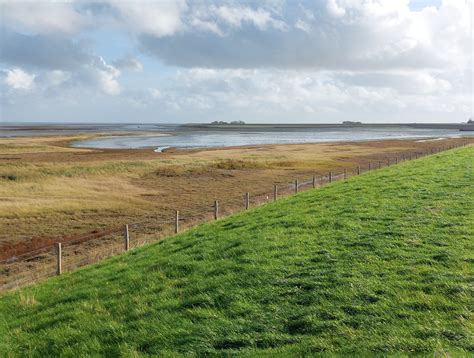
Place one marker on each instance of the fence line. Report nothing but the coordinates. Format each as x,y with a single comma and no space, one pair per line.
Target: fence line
282,190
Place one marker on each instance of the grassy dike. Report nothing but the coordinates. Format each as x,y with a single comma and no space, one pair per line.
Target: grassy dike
383,262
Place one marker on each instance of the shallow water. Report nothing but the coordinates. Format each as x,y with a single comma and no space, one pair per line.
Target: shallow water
12,130
206,139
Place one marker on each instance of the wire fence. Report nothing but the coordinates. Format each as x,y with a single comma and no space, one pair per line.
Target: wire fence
22,266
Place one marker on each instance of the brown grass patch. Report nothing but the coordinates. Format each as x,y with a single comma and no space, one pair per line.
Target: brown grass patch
239,164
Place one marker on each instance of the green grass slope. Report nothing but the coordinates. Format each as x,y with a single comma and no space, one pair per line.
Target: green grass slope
383,262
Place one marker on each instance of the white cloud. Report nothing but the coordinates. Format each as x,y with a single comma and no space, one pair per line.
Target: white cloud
42,17
158,18
108,83
237,15
404,82
154,93
284,58
334,9
60,62
312,95
303,26
339,35
206,26
106,76
18,79
98,77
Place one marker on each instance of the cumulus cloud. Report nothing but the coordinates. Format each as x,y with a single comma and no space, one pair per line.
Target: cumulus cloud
421,82
264,90
280,95
43,51
341,34
332,34
18,79
158,18
334,9
303,26
295,58
237,16
42,17
61,61
106,76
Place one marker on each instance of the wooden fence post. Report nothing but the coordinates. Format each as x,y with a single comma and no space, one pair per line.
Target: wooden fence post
296,185
370,167
126,238
314,181
380,164
275,192
358,170
176,222
345,174
396,160
59,266
247,201
216,209
330,177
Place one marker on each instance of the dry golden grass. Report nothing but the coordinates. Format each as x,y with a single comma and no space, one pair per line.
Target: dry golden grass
48,144
50,189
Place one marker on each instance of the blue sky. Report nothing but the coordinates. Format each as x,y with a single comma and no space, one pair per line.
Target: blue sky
417,5
292,61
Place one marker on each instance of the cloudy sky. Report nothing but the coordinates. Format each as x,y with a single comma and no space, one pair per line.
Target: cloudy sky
258,61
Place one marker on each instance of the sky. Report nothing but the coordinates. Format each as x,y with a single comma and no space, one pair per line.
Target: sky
273,61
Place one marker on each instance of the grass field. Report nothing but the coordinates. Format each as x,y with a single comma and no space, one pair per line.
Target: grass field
383,262
48,189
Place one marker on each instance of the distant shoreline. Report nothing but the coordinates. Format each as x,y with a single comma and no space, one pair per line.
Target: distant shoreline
12,130
22,126
289,126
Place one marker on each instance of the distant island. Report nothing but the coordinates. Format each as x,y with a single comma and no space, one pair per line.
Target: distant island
351,122
220,123
236,123
469,126
239,125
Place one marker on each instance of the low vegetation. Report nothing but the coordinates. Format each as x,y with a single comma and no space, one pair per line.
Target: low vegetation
380,263
49,189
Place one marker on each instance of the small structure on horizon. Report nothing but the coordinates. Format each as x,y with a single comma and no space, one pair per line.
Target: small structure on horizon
227,123
351,122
